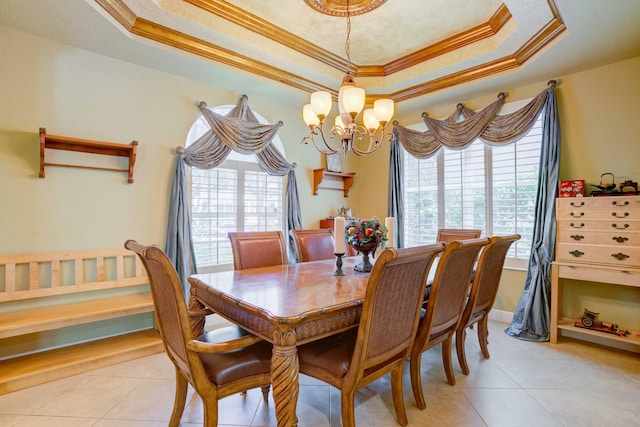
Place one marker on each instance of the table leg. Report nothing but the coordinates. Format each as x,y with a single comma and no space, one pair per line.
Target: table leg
195,305
284,377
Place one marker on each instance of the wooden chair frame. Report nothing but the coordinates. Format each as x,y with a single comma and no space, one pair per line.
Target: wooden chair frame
448,235
196,359
395,290
484,289
255,249
447,299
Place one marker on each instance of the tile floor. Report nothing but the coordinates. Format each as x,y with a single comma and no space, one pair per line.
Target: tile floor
523,384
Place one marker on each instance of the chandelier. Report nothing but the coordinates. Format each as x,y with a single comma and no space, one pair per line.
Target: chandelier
351,99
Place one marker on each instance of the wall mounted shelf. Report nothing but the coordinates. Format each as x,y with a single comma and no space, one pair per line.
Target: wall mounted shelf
322,174
55,142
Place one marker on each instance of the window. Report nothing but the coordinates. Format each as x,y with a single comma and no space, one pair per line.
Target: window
235,196
488,187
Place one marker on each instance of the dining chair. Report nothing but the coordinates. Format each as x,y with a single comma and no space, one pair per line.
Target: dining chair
384,336
314,244
444,309
447,235
217,364
252,249
484,289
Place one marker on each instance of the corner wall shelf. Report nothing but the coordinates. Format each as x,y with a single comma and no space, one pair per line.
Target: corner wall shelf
55,142
321,174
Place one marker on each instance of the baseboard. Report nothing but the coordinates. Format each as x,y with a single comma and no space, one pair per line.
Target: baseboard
500,316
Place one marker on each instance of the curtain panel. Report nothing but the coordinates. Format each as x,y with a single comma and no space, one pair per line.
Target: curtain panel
240,131
460,129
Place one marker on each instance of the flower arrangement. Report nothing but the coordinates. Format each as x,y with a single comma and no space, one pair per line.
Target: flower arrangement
360,232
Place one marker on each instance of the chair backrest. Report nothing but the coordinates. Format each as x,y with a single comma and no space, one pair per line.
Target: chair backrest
314,244
448,235
487,278
168,300
257,249
392,303
449,289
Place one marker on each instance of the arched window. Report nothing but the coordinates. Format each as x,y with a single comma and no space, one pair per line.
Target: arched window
235,196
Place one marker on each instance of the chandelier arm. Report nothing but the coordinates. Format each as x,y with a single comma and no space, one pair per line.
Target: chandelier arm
317,130
374,144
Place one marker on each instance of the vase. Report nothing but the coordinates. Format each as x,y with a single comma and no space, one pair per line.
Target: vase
364,248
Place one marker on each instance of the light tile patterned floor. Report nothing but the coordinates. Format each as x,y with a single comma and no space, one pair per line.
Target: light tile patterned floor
523,384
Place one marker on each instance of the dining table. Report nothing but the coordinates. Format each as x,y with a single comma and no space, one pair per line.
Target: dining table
286,305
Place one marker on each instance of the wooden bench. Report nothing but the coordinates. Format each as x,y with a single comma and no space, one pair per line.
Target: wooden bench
104,294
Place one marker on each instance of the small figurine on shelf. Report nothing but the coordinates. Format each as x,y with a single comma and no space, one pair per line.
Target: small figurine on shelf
345,212
589,320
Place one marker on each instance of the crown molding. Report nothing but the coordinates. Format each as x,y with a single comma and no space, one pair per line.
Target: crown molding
457,41
535,44
122,14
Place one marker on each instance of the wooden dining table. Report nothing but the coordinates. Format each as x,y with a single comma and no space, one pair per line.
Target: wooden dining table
287,305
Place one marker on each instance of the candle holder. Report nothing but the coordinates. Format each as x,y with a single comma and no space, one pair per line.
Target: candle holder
338,271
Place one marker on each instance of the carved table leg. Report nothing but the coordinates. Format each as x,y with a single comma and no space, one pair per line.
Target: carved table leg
195,305
284,377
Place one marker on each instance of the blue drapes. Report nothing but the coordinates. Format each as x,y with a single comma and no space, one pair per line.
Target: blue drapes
531,319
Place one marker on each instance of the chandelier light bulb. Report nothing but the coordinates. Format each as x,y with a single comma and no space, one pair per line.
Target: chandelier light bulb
352,99
383,110
321,103
309,116
370,120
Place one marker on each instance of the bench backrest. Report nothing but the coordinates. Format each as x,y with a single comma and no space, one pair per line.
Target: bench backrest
57,273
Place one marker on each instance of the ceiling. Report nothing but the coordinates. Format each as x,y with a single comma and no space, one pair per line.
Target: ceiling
421,53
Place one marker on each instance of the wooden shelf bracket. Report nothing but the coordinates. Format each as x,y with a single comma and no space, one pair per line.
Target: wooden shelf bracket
55,142
322,174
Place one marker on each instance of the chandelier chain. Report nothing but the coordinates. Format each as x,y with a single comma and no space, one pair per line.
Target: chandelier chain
351,100
347,47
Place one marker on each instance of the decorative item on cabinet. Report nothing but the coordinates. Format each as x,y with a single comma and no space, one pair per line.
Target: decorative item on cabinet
322,174
572,188
56,142
598,240
627,188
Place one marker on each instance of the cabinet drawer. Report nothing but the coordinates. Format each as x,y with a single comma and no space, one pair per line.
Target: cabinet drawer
599,254
599,203
595,225
593,274
619,238
619,214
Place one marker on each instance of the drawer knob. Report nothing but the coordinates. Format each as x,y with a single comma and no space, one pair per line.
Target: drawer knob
615,203
620,256
578,225
620,239
578,237
577,205
578,254
573,214
619,216
617,226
